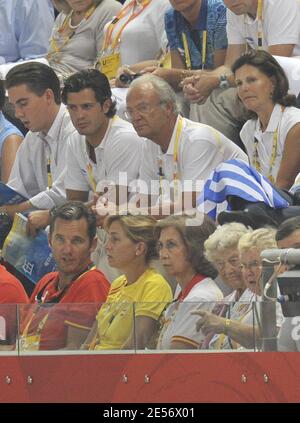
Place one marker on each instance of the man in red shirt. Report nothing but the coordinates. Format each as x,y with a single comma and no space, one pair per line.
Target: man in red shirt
64,304
11,293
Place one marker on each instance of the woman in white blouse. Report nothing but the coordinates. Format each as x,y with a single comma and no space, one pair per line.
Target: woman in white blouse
272,134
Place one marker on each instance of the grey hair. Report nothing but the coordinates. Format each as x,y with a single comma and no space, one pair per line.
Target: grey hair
262,239
225,237
161,87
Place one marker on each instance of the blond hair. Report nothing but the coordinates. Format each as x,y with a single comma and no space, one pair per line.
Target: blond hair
139,228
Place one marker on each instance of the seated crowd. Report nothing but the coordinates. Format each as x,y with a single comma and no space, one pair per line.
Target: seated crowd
159,152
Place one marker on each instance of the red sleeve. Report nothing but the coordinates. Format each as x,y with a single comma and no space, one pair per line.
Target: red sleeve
11,294
92,289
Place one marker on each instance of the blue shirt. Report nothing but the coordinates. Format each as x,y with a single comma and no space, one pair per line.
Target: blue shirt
6,129
212,17
25,29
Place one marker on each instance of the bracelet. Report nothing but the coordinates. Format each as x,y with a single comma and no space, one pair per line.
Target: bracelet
226,326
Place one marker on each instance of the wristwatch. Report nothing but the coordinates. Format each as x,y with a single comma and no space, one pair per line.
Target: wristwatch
223,82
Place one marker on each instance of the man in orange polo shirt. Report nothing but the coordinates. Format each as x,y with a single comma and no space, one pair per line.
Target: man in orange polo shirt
65,303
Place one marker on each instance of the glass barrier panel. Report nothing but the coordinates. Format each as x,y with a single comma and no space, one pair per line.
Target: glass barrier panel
55,327
115,327
8,329
204,326
146,327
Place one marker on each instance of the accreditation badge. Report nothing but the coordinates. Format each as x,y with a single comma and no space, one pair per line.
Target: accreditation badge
166,61
110,64
29,343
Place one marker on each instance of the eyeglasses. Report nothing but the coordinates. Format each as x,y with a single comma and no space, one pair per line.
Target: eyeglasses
142,109
253,265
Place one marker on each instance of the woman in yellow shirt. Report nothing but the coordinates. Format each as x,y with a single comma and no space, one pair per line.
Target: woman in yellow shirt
136,299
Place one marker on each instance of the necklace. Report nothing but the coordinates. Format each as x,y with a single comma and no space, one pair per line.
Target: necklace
69,21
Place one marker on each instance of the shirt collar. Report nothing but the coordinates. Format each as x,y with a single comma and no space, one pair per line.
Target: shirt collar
273,122
170,150
53,133
249,20
101,146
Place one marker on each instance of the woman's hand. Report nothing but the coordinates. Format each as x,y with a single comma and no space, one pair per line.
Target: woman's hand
209,322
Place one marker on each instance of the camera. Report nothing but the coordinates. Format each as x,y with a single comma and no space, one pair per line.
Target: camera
127,78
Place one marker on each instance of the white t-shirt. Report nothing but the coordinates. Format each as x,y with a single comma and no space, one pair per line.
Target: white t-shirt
119,151
180,324
144,36
286,120
280,25
291,67
244,312
200,150
29,173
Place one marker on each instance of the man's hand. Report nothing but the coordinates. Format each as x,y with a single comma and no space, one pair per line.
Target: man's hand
39,219
198,87
123,70
153,69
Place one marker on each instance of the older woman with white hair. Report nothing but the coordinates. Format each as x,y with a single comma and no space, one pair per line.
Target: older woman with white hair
240,328
78,33
221,249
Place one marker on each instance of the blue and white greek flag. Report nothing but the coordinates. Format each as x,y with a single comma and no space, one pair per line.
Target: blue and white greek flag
236,177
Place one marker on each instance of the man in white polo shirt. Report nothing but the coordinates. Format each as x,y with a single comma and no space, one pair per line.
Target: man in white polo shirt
104,156
39,168
269,24
106,149
177,150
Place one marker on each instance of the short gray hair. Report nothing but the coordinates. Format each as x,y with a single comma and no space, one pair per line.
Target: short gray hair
225,237
161,87
262,239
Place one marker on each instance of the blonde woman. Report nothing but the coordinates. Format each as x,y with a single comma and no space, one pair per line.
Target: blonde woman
136,299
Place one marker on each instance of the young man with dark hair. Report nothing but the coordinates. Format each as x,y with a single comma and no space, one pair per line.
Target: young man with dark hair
70,297
104,156
105,145
39,169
